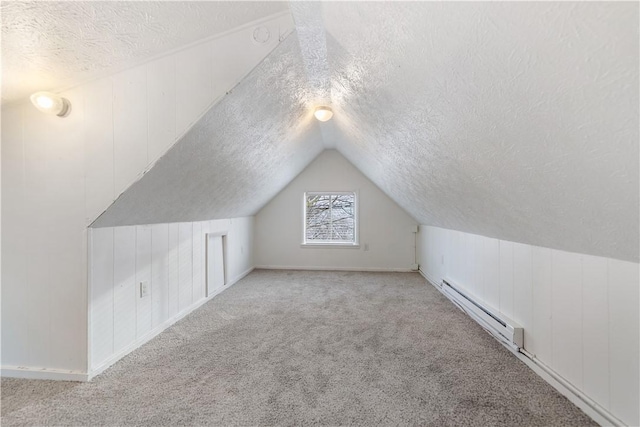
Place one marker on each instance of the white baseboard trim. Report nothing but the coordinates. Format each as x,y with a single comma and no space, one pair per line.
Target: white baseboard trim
429,278
162,327
240,277
42,374
317,268
592,409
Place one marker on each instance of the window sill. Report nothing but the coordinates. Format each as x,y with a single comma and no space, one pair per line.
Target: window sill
330,245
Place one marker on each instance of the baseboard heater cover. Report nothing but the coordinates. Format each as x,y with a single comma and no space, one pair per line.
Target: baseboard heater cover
499,325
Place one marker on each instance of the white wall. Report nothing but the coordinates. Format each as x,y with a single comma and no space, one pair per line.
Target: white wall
172,259
580,313
58,175
383,225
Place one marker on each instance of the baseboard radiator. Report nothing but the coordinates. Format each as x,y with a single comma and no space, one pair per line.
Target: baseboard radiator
503,328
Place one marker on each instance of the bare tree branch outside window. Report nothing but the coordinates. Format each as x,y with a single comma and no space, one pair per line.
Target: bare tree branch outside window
330,217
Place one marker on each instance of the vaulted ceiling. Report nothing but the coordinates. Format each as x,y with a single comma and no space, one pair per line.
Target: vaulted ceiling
514,120
53,44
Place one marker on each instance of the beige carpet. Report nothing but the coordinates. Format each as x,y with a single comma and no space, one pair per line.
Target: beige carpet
300,348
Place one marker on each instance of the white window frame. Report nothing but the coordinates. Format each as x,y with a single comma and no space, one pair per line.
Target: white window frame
331,244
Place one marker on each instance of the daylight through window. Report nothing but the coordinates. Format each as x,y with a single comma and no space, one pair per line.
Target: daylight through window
330,218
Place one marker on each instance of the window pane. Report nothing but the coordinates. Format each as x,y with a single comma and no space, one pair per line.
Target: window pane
330,217
342,217
318,217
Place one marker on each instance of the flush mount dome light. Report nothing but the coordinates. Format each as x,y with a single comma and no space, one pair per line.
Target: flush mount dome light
323,113
51,103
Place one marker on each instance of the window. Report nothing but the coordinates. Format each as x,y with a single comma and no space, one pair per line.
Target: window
330,219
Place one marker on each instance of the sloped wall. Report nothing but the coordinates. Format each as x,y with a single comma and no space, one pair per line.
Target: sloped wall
171,258
580,313
58,175
516,120
384,227
238,155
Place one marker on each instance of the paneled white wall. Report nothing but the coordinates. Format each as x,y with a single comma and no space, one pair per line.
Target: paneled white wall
580,313
171,259
387,241
44,240
58,175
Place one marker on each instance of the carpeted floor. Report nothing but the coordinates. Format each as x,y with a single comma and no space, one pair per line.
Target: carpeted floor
300,348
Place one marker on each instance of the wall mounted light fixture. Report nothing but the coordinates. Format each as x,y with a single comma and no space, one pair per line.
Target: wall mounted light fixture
51,103
323,113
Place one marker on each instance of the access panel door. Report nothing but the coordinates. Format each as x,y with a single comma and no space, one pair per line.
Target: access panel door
215,263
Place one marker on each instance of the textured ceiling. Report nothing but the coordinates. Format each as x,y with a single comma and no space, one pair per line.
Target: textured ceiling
50,45
311,35
510,120
244,150
514,120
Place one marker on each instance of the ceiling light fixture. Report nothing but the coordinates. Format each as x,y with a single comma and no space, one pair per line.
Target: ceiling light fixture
323,113
51,103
